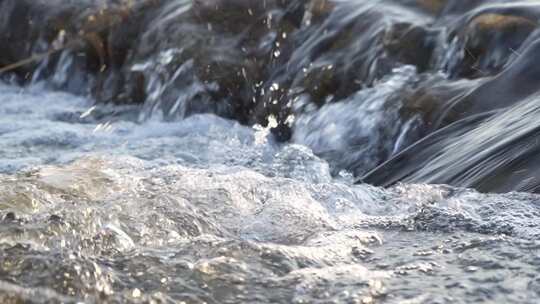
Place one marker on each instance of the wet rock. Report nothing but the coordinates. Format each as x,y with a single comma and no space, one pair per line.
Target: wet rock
463,150
486,139
411,44
211,52
445,8
433,96
433,7
518,81
77,33
235,15
318,10
54,218
349,46
10,217
220,56
256,60
23,27
488,39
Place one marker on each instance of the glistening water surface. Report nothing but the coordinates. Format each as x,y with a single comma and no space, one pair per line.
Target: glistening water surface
98,208
235,151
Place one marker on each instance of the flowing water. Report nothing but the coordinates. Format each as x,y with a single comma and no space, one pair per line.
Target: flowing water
163,201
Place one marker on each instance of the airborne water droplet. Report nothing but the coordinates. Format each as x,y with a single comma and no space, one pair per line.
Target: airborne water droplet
136,293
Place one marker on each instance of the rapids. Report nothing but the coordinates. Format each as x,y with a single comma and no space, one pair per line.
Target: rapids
98,208
239,151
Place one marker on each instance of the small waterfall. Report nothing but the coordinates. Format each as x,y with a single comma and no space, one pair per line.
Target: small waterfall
269,151
336,76
361,132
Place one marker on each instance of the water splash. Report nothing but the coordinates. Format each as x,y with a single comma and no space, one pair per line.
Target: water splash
200,210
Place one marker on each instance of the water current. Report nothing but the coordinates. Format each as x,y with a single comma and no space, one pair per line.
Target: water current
181,199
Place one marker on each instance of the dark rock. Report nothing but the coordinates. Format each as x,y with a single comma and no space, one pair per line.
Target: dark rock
518,81
221,56
55,218
488,138
10,217
411,44
489,37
